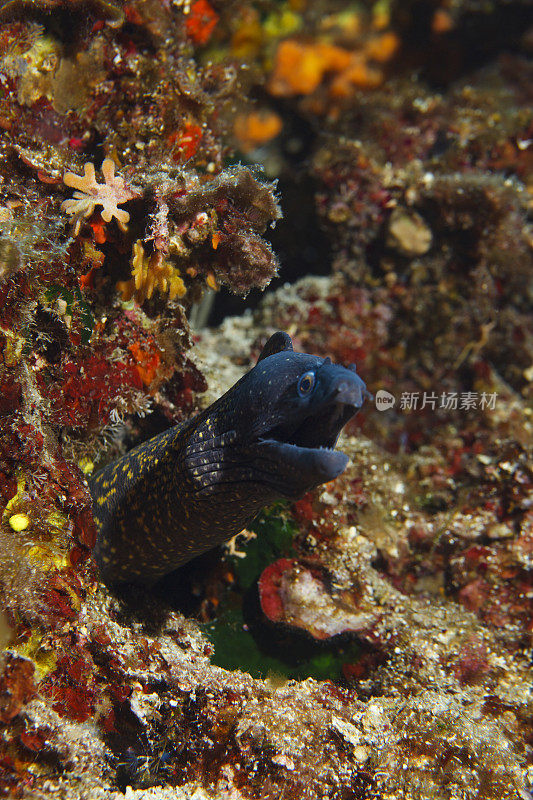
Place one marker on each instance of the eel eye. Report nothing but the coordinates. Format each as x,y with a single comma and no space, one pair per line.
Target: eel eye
306,384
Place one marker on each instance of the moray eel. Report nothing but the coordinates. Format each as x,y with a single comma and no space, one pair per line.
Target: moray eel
194,486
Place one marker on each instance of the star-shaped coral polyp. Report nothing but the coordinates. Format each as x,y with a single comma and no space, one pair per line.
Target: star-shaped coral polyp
89,194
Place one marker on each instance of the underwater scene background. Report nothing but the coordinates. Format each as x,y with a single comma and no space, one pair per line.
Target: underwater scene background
163,162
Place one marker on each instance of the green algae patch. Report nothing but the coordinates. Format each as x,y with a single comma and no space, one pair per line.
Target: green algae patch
274,531
241,635
254,648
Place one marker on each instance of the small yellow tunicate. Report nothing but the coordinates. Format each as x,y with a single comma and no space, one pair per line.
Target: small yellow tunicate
86,466
19,522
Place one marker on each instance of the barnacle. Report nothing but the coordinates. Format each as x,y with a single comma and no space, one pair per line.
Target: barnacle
149,273
109,195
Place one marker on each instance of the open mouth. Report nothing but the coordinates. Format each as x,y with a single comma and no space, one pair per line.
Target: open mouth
317,431
304,451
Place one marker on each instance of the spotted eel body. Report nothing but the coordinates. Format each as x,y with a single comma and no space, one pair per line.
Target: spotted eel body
271,436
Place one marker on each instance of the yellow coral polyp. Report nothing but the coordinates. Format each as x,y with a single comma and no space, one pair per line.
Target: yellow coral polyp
382,48
176,287
19,522
281,23
150,273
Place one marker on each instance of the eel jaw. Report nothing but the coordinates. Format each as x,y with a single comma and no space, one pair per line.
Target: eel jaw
300,469
305,452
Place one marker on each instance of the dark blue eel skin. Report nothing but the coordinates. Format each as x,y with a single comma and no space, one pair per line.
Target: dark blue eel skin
271,436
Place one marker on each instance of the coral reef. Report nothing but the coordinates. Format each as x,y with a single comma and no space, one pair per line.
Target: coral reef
373,640
79,369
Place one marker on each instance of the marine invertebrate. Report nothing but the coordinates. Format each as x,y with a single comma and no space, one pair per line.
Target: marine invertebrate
186,141
195,486
255,129
149,273
300,68
408,234
90,194
201,21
